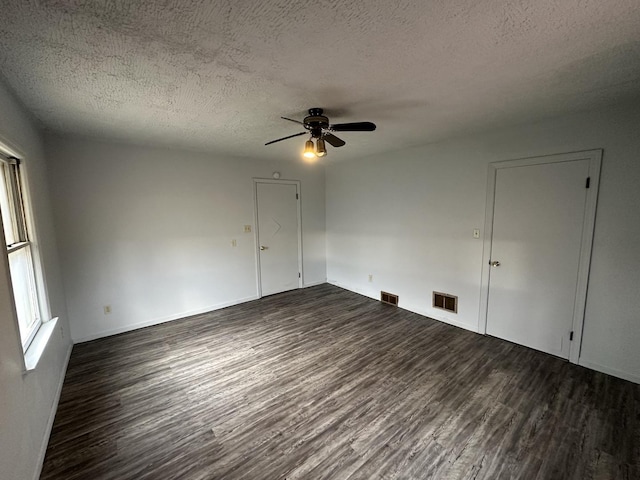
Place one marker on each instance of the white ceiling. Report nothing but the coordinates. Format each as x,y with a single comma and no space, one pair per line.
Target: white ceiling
217,75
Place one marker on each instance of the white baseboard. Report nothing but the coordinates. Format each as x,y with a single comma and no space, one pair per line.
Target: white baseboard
158,321
593,366
314,284
52,416
448,321
610,371
352,289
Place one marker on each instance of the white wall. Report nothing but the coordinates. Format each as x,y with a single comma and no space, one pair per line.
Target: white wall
148,231
408,218
28,401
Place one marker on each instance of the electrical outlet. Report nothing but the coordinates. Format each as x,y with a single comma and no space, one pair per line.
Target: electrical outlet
370,278
107,309
234,243
247,229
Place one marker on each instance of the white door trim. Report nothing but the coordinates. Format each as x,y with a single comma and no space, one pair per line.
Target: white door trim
595,161
256,233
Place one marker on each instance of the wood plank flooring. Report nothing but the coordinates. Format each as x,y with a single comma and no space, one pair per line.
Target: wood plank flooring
322,383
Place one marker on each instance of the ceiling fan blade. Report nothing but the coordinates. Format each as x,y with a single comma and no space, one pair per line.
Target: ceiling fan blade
354,127
292,120
333,140
284,138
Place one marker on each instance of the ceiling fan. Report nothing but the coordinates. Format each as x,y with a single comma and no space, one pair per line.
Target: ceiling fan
318,126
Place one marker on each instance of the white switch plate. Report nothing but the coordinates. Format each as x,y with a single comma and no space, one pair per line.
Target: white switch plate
247,229
476,233
107,309
234,243
370,278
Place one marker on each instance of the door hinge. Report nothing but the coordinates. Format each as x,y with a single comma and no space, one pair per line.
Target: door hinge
588,182
571,336
297,197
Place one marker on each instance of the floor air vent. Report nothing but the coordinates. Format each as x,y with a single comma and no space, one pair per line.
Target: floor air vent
445,302
389,298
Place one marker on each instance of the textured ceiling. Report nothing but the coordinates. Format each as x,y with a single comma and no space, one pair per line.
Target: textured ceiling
217,75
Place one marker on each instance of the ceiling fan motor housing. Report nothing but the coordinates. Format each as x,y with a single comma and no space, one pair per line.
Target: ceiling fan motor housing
315,122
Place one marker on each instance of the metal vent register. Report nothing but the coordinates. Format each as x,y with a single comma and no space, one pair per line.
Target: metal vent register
389,298
445,302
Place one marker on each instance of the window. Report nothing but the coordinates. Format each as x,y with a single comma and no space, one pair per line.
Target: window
19,249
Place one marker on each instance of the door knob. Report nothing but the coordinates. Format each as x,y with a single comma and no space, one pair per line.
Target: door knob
494,264
262,247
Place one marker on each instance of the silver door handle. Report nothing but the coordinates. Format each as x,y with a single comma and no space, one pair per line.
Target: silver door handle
262,247
494,264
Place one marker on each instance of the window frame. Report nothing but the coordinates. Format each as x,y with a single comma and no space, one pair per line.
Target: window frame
14,176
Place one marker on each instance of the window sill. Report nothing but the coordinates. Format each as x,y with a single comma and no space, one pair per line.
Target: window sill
38,345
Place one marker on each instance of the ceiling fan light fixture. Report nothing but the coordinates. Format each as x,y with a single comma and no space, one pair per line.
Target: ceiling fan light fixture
321,130
309,150
321,149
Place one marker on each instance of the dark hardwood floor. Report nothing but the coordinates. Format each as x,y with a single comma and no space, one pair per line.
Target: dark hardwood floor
322,383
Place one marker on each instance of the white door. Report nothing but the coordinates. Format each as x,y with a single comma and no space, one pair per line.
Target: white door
278,237
538,218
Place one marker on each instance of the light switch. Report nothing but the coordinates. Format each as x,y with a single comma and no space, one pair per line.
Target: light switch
476,233
234,243
247,229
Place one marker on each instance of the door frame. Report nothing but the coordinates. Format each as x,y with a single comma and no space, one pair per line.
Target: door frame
256,233
588,224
